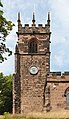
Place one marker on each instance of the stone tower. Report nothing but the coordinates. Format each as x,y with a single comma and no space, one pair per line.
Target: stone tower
32,63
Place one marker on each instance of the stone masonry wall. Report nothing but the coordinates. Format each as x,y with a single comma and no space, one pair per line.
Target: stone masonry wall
17,86
43,43
58,85
32,85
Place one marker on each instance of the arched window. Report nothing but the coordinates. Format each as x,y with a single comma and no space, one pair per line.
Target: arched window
67,100
32,46
66,94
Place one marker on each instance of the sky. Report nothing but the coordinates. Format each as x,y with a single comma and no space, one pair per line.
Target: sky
59,13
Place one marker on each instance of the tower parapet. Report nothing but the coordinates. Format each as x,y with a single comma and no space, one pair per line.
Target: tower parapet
33,29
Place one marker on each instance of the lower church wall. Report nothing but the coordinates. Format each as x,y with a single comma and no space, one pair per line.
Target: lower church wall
57,97
32,99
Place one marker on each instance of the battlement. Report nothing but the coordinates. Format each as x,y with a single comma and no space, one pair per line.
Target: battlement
33,28
59,73
26,25
66,73
58,77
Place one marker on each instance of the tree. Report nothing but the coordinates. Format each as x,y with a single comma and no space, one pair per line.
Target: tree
5,28
5,93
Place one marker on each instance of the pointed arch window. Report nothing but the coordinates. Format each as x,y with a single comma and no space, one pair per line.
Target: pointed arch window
33,46
66,94
67,100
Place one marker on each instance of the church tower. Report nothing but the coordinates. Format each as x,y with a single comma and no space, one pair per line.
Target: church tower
32,63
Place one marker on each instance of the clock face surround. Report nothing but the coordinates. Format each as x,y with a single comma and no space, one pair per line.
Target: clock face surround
33,70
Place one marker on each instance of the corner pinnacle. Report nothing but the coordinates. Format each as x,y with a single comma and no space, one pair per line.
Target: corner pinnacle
48,21
33,20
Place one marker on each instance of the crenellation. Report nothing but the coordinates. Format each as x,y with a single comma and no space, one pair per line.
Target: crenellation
33,25
56,73
40,25
26,25
58,77
28,29
23,29
19,28
66,73
59,74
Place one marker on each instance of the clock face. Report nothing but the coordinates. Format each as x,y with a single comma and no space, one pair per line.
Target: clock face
33,70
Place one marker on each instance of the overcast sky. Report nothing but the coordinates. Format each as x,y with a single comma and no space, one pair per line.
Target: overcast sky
59,11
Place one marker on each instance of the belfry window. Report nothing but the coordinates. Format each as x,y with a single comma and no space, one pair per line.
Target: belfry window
32,46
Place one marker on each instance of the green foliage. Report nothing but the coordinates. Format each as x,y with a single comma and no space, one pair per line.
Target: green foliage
6,113
5,28
1,4
5,93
